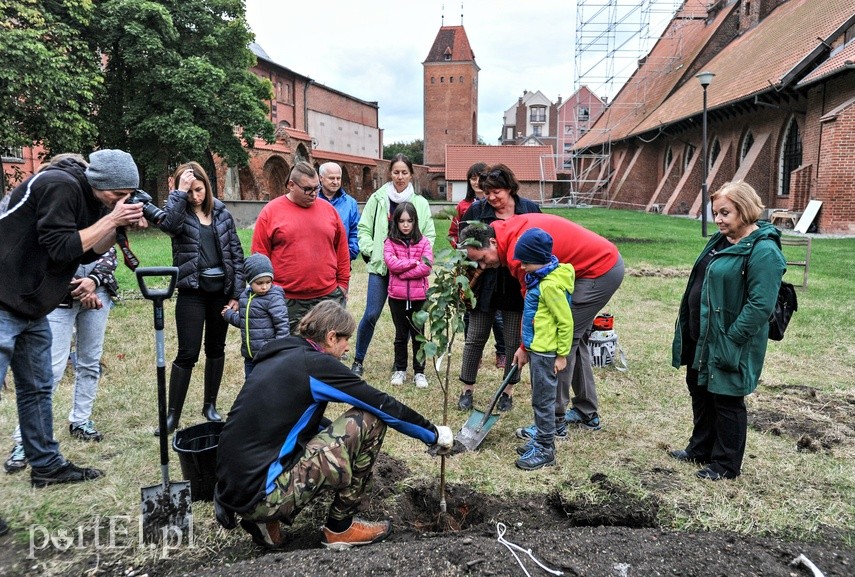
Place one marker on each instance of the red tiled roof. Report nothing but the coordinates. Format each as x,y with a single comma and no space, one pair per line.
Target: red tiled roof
836,63
525,161
298,134
755,62
338,156
451,40
664,68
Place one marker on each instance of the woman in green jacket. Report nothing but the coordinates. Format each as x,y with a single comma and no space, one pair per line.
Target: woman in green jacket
723,326
372,231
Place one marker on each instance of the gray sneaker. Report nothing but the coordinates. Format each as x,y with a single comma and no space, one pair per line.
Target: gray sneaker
85,431
17,460
536,457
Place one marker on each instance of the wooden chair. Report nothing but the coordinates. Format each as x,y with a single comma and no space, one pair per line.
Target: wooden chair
800,259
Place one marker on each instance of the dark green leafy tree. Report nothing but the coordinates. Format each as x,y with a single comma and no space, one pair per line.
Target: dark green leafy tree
178,85
414,150
50,75
441,318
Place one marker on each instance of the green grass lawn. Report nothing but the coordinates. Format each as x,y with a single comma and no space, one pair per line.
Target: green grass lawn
798,479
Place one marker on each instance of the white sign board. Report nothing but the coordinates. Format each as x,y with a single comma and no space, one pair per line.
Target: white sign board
807,216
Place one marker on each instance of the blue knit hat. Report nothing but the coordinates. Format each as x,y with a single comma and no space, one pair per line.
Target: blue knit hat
534,247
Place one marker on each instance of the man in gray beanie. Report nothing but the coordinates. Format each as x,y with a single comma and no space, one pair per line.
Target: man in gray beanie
64,216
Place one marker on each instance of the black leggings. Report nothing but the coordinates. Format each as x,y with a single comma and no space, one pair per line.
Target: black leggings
196,310
405,330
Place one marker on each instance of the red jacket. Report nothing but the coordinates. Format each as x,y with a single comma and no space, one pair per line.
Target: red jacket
590,254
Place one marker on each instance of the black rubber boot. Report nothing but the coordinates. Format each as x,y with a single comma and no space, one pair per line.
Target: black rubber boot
179,382
213,378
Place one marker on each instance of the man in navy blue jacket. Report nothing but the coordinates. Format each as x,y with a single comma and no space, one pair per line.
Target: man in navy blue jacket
344,204
277,452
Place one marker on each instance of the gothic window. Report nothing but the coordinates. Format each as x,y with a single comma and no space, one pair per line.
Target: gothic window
669,157
687,156
747,143
790,158
715,150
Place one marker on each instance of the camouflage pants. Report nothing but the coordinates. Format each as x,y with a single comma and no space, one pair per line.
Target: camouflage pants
339,459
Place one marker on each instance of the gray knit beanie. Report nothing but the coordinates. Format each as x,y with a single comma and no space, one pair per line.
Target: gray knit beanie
112,170
255,266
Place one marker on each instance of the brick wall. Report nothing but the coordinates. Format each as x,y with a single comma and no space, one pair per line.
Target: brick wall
450,107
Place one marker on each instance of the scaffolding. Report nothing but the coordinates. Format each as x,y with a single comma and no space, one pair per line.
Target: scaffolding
612,38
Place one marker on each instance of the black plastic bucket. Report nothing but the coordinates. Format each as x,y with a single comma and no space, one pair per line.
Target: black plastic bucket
197,453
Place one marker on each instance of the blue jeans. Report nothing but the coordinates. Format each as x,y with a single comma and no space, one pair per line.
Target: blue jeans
378,289
91,325
544,383
25,347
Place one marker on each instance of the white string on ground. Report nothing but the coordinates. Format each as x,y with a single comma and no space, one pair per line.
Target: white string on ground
501,529
801,559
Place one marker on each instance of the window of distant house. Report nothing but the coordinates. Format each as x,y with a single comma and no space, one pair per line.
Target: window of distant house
568,129
432,79
687,156
537,114
448,57
747,143
442,79
537,130
790,157
582,113
451,79
669,158
509,133
13,154
715,149
461,79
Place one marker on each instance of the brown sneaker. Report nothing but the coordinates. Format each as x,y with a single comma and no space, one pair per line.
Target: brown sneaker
265,534
359,533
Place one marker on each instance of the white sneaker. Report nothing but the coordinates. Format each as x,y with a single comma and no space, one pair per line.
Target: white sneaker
398,378
421,381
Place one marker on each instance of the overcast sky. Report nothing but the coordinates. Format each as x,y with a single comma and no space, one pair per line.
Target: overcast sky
374,49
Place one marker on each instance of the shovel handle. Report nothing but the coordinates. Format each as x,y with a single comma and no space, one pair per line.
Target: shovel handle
502,387
155,294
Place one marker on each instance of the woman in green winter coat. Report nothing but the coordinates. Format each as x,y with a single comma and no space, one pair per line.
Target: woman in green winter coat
372,231
723,326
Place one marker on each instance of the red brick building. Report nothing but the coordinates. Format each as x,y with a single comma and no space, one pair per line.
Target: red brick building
450,100
780,110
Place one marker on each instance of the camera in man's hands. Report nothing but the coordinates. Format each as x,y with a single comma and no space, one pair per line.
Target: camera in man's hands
150,211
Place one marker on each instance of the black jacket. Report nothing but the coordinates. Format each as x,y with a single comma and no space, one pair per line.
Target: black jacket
40,247
497,288
184,228
281,407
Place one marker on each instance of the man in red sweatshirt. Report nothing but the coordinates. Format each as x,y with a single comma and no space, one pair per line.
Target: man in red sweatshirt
599,272
307,244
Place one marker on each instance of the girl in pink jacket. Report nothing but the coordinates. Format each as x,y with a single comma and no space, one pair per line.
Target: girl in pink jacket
409,257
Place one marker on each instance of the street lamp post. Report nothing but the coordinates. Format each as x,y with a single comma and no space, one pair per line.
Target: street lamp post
704,78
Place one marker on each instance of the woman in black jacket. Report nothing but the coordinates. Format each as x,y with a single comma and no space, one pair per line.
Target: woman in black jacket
497,289
209,257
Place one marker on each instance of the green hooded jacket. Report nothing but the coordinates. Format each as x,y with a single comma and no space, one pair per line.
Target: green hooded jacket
373,226
738,295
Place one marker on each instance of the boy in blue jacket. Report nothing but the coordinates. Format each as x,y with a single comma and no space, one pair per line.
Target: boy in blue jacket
263,314
547,335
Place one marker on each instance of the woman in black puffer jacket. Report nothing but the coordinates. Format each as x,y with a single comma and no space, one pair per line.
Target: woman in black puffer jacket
209,257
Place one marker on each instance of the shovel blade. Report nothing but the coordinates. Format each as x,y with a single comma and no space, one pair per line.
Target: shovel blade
475,429
165,511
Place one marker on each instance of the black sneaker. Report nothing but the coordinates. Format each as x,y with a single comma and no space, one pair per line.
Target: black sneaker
464,403
506,403
66,473
357,369
4,528
85,431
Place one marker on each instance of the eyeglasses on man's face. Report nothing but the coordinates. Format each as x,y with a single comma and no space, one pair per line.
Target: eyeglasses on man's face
314,188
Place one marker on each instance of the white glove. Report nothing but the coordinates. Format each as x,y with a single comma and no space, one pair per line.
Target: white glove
444,438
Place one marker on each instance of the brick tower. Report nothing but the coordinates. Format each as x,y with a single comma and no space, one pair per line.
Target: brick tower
451,94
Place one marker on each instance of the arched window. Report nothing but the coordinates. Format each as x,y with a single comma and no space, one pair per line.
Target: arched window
747,143
687,156
715,150
790,157
669,157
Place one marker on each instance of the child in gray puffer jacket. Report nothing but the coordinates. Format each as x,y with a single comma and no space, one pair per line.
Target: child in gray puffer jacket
263,315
